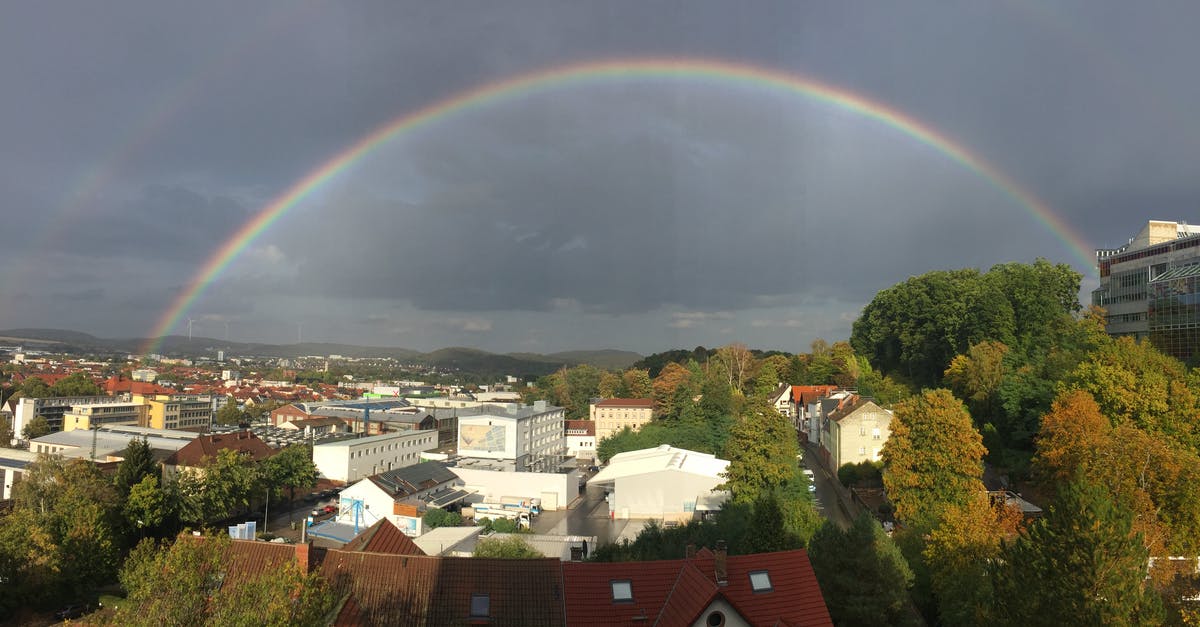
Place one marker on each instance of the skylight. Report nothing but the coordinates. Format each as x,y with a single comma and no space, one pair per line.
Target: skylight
480,606
760,581
622,591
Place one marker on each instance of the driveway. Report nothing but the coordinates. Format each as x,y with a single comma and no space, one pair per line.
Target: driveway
587,516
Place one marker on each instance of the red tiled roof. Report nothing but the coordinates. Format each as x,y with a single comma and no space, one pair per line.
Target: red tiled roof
805,394
626,402
587,426
384,537
206,446
675,592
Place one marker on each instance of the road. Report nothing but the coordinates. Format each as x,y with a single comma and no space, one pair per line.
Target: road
826,496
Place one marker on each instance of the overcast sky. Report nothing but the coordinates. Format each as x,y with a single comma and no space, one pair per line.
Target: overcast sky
640,213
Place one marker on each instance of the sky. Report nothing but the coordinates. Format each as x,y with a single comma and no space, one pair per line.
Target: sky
635,212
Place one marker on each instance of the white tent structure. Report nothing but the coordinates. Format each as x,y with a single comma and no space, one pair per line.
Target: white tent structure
663,483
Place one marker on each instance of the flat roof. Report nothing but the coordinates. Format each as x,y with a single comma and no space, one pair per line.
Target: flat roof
377,438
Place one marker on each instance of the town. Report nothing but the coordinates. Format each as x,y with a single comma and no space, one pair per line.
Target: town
749,473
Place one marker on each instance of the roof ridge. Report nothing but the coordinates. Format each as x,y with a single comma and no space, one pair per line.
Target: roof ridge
688,563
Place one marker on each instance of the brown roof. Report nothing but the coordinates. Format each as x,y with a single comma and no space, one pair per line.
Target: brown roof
206,446
384,537
848,406
417,590
627,402
588,427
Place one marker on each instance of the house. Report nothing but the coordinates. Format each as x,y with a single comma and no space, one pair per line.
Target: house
400,496
611,415
200,451
349,460
663,483
854,431
378,583
314,427
805,409
781,400
705,588
581,439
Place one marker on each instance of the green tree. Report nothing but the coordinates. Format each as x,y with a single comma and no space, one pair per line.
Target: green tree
933,458
77,384
610,386
148,506
137,462
35,387
436,517
229,414
976,377
637,383
510,547
761,451
35,428
1080,565
185,584
228,483
863,577
291,468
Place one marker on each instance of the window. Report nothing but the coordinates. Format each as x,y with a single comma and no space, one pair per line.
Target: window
622,591
862,450
760,581
875,433
480,606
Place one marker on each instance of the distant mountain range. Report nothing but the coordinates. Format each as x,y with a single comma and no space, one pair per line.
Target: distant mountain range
465,359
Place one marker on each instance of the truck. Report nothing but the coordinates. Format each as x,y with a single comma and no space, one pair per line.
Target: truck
533,506
480,511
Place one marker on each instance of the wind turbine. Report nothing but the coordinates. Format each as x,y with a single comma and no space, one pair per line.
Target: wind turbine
190,322
226,330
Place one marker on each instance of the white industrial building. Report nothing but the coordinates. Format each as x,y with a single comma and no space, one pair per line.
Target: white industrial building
399,495
555,489
108,442
350,460
664,483
52,409
529,438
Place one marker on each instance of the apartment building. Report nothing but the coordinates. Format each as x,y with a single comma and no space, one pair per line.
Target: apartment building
350,460
92,415
528,438
52,409
613,414
854,431
176,411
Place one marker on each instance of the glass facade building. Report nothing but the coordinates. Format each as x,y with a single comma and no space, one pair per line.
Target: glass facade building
1173,312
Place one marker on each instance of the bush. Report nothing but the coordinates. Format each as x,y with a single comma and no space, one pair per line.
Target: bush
863,474
436,517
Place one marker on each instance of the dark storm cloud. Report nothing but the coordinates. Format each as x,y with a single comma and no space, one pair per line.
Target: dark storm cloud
138,136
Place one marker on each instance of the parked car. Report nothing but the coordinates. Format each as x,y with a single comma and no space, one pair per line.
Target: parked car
321,511
73,611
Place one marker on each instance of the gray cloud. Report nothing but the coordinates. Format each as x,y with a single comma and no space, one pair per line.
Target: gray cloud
139,136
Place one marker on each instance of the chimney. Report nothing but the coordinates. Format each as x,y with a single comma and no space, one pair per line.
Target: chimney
302,551
691,550
719,565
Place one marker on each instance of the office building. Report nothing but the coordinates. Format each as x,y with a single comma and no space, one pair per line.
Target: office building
1148,290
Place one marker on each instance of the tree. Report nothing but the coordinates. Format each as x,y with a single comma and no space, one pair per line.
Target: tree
229,414
511,547
665,385
137,462
1081,564
976,377
291,468
637,383
863,577
148,505
35,428
184,583
436,517
77,384
933,458
733,363
761,451
610,385
959,554
225,488
35,387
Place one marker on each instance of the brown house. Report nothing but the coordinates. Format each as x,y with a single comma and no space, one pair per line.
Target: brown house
205,448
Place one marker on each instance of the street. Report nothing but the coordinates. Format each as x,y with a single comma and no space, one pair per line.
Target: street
826,497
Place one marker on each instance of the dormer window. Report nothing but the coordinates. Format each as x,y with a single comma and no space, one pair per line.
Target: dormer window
622,591
481,606
760,581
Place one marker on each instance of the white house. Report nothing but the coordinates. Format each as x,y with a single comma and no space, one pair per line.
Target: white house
399,495
664,483
351,460
581,439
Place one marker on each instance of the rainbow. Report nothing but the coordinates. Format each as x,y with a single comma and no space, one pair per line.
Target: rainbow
586,73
